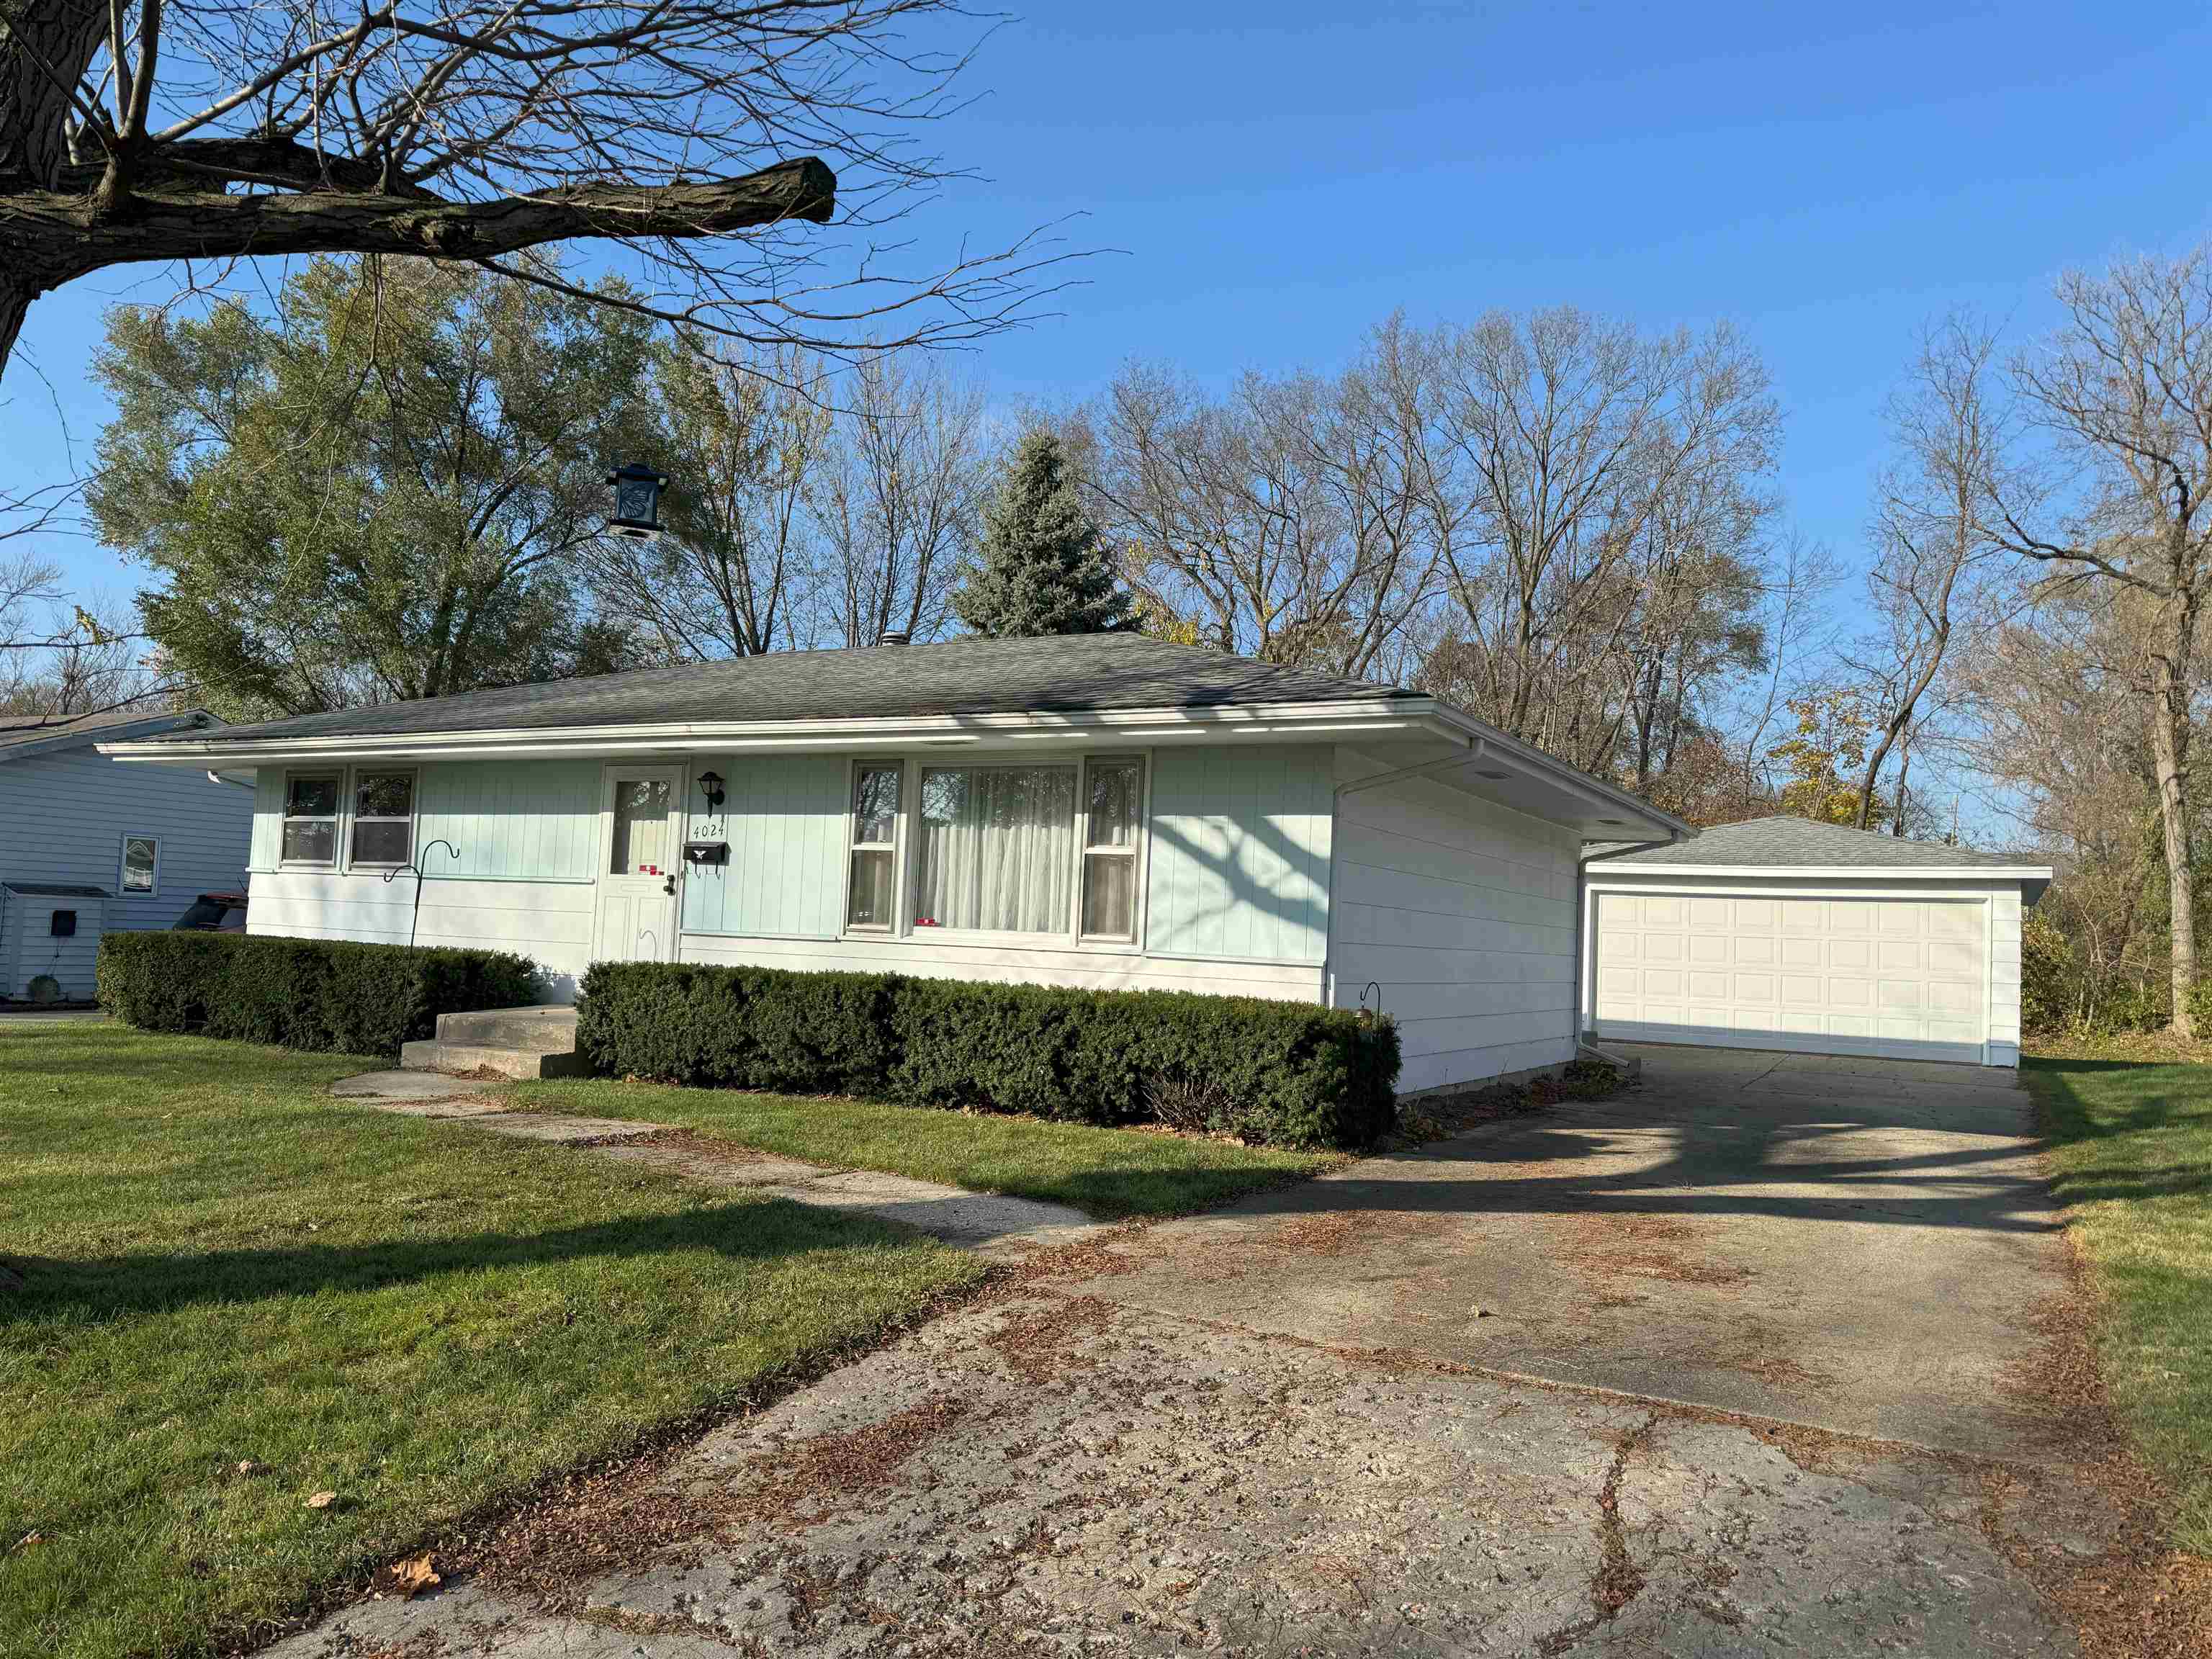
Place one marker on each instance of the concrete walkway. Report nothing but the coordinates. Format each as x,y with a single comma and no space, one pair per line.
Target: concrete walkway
1460,1401
986,1222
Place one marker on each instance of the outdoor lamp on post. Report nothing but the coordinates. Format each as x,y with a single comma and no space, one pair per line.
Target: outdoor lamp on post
637,501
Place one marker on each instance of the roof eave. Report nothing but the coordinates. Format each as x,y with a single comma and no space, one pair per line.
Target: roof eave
1625,813
65,736
1369,716
1616,865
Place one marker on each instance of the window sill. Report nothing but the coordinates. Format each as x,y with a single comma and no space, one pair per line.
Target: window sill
962,939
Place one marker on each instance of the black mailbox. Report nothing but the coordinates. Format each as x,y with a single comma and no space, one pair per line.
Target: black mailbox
706,852
62,924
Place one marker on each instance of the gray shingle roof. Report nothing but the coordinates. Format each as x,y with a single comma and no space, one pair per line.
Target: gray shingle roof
1794,844
959,677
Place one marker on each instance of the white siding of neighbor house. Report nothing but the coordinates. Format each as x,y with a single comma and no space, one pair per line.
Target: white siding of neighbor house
63,817
28,947
2001,899
1463,914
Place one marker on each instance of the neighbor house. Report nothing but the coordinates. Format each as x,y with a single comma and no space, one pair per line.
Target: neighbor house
1106,810
88,846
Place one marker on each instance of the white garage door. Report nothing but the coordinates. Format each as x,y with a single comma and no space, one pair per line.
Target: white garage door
1902,978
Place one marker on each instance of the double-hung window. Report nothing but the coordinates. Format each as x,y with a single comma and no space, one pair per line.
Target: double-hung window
1113,813
872,901
383,819
311,818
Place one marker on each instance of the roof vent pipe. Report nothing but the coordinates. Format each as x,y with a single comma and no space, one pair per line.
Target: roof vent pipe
892,636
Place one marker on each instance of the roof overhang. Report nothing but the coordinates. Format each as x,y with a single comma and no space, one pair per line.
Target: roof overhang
1456,748
2034,878
1281,722
66,736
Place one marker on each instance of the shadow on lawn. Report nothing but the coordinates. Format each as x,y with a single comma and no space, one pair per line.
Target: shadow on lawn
37,1288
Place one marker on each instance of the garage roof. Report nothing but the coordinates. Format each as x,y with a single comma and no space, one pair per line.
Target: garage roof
1780,846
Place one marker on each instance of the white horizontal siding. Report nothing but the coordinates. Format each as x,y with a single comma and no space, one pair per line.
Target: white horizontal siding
63,815
548,921
1005,964
1462,913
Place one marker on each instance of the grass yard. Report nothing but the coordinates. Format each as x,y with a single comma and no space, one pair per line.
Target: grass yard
207,1262
2131,1145
1109,1173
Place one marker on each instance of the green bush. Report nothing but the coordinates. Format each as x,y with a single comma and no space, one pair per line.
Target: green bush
332,996
1283,1073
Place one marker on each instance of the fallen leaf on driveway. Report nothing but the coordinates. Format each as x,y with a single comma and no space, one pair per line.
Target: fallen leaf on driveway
322,1500
409,1578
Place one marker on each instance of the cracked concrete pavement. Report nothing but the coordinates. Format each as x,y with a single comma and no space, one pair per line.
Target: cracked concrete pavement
1283,1429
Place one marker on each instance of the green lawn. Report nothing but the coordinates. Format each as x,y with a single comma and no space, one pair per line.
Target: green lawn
2132,1146
1102,1172
204,1260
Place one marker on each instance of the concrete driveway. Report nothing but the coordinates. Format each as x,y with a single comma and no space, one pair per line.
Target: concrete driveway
1749,1377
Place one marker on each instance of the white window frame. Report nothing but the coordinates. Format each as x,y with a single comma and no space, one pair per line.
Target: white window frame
349,817
906,851
895,846
123,865
337,821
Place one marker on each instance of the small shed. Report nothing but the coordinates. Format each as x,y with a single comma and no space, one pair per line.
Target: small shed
1810,938
50,930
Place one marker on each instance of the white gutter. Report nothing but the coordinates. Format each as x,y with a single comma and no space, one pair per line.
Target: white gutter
1598,868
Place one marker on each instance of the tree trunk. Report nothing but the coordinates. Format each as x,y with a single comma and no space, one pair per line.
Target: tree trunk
15,303
2168,726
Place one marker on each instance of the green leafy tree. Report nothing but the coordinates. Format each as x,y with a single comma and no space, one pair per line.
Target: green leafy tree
378,492
1044,568
1827,748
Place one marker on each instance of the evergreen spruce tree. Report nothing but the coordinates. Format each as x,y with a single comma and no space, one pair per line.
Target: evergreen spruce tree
1043,569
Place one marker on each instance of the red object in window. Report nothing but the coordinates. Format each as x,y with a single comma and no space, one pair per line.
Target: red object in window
925,921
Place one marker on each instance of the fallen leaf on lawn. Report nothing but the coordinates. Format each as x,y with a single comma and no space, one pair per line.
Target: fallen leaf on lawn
409,1578
29,1539
247,1466
322,1500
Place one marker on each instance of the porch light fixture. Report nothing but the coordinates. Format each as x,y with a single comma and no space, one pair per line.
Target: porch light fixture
637,501
710,785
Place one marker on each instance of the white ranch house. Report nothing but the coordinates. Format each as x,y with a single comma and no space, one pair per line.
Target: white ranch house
1109,811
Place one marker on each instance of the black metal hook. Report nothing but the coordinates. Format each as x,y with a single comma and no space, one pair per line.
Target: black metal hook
415,917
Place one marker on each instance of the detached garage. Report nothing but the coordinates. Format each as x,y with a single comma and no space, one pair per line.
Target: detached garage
1784,933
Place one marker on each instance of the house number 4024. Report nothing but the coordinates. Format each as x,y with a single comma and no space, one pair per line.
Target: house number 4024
707,830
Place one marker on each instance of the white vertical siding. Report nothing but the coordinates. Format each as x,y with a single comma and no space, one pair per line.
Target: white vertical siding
63,815
1239,852
784,819
1462,914
28,947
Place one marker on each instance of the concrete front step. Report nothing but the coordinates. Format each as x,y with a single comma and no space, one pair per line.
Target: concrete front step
438,1055
547,1029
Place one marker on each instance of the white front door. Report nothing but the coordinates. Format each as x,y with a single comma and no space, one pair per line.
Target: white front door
641,854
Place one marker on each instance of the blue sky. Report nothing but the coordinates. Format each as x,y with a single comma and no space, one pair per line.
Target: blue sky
1276,178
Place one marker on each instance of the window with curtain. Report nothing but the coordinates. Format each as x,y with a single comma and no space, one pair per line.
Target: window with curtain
1115,807
871,900
997,851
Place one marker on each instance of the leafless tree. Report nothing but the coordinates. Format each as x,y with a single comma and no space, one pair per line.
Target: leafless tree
2123,392
896,501
1576,436
1949,439
708,138
1300,519
746,435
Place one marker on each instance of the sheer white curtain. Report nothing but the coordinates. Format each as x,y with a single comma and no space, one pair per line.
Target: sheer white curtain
998,849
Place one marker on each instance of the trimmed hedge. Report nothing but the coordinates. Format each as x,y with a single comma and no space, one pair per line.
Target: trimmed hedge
1284,1073
333,995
